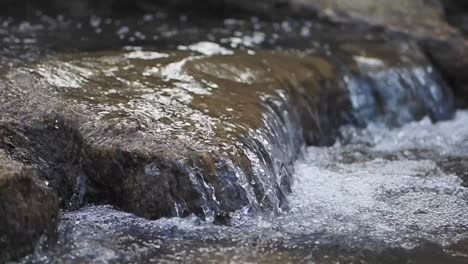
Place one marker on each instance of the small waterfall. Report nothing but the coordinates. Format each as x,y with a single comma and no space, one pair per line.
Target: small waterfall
175,133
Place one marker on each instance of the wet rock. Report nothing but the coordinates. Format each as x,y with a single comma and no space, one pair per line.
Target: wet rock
175,134
449,56
207,130
457,14
457,166
389,84
190,126
185,126
414,16
423,21
29,211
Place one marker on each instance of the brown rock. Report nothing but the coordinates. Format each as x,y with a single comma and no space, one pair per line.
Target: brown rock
423,21
181,132
28,211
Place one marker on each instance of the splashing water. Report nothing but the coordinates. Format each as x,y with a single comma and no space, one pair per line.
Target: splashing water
445,138
394,200
370,199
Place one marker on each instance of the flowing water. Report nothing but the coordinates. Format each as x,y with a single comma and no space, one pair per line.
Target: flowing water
379,195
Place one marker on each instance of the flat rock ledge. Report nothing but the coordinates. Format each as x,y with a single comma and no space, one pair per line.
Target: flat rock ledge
175,133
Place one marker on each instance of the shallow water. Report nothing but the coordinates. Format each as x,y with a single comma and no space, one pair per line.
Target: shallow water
387,185
379,195
383,196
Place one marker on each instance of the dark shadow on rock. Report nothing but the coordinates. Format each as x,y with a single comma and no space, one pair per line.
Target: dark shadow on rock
28,210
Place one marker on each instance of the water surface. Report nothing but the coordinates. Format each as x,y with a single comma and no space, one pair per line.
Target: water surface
379,195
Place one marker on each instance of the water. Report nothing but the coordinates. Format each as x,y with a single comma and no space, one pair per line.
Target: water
381,197
378,195
219,108
387,184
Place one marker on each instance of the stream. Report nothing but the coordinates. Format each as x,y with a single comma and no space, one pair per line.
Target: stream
174,138
379,195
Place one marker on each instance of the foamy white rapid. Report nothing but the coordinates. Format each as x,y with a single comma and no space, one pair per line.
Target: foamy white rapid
377,187
382,196
444,138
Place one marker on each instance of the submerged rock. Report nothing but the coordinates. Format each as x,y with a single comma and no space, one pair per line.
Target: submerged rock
29,211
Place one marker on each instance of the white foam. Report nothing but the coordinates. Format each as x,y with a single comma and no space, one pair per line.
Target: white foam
207,48
64,74
145,55
398,201
450,137
374,62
